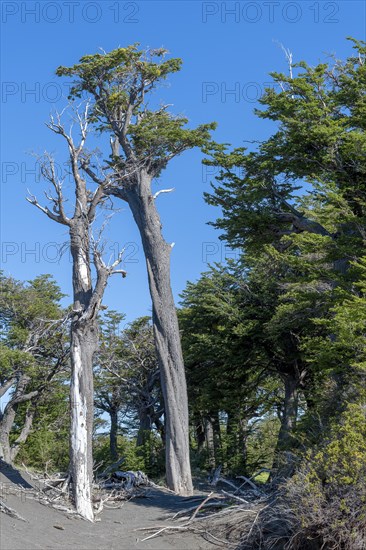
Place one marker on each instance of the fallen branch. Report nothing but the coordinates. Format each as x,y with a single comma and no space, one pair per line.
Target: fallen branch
10,511
162,529
210,505
249,482
200,507
235,497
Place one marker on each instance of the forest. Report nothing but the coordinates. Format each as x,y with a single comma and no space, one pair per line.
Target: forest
256,377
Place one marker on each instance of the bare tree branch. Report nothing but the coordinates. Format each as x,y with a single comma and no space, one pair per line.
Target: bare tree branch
163,191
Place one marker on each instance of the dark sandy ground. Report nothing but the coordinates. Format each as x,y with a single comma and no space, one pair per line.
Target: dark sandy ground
46,528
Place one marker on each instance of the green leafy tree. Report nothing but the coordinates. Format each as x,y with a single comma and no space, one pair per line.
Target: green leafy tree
33,354
144,140
227,364
128,385
296,207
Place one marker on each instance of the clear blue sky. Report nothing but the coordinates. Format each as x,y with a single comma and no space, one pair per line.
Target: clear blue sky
225,46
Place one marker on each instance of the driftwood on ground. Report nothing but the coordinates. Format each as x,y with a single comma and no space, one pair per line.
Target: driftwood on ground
222,515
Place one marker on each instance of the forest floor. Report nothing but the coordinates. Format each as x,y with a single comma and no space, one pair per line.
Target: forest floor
47,528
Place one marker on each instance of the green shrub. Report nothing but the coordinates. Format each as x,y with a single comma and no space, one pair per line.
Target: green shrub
46,450
148,458
328,493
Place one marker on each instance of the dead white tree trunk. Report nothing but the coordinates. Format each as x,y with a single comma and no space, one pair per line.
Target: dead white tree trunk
87,302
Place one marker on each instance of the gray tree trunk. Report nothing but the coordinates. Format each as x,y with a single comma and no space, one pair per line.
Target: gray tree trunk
290,410
113,413
200,432
283,461
167,338
210,442
145,425
231,438
5,450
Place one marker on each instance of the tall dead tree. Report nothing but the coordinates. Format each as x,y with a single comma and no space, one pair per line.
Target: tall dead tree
144,141
87,300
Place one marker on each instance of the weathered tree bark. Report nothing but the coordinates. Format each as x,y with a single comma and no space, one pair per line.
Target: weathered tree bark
166,332
87,300
5,449
83,346
144,142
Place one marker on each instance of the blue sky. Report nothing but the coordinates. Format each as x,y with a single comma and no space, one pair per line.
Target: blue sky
228,49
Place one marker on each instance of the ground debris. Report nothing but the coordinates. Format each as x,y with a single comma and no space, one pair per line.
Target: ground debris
222,515
10,511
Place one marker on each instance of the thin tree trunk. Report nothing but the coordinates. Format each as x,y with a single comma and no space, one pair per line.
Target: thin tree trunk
210,445
145,419
217,436
283,463
167,338
200,432
289,414
243,439
23,436
113,434
232,438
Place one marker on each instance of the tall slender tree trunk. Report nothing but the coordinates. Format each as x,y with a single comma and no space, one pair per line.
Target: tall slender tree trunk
167,338
113,413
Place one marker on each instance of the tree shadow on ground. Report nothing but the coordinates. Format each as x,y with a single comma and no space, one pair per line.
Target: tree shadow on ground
13,475
168,502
